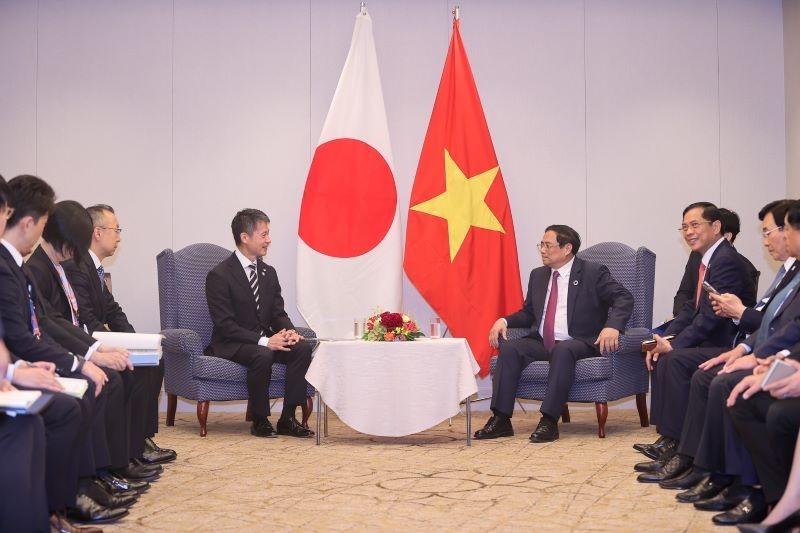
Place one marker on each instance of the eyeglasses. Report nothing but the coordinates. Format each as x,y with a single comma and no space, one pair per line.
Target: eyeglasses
548,245
766,232
694,225
118,230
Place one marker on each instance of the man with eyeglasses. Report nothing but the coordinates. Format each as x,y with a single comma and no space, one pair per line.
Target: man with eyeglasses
731,225
99,311
574,310
699,334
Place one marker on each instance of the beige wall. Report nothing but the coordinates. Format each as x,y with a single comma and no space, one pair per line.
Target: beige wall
791,47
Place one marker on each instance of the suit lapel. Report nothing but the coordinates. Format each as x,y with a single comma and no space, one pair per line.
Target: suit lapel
540,282
240,278
575,280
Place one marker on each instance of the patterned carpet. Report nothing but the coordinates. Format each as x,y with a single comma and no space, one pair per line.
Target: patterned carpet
230,481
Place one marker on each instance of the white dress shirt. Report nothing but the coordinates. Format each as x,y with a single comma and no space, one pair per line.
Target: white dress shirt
560,327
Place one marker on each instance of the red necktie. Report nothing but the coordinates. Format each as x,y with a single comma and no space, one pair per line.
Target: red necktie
700,279
548,333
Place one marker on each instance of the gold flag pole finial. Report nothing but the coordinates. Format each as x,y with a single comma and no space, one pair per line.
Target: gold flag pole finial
456,14
363,8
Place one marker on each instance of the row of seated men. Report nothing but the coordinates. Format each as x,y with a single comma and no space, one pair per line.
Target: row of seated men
725,441
729,452
81,460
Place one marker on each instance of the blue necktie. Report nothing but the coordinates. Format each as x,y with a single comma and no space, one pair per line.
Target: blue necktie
767,295
772,310
101,273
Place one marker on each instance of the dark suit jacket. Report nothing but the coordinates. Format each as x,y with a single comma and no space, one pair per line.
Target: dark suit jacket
784,329
686,290
699,326
233,308
16,317
50,300
688,286
96,306
594,301
751,319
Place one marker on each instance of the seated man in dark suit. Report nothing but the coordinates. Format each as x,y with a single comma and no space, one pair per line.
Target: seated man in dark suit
251,326
98,310
698,332
574,309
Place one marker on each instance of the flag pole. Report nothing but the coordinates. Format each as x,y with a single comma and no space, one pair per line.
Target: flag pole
363,8
456,14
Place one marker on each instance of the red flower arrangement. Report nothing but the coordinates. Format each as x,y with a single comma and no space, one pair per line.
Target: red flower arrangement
391,327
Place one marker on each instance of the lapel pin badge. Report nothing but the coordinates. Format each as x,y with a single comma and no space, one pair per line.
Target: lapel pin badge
576,282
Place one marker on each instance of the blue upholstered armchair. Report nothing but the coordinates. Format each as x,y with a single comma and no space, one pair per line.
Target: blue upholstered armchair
619,374
186,326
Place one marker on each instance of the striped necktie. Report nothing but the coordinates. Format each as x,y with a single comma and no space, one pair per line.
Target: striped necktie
254,284
101,273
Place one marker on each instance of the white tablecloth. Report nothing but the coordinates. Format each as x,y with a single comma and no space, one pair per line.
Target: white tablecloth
392,389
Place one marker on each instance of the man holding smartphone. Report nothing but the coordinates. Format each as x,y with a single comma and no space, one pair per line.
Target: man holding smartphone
699,335
773,412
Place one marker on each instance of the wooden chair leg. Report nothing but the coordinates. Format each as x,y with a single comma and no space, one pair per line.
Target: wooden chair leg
602,415
565,414
307,408
641,405
172,406
202,417
248,416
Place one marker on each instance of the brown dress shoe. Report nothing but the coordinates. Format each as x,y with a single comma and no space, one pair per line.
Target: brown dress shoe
60,524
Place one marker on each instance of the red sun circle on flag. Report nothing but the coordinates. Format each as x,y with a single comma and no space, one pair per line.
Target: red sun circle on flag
349,201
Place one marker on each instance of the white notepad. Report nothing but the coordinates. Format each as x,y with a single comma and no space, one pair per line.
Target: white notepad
145,348
18,400
74,386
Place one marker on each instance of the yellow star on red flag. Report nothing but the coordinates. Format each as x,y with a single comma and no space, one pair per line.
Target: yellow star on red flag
463,203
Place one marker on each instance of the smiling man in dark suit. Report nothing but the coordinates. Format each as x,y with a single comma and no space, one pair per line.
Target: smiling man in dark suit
251,326
575,309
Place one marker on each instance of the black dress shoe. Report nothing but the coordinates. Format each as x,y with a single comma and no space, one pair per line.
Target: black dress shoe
293,428
114,491
673,468
650,466
692,477
666,447
263,428
546,431
752,509
494,428
135,472
117,483
641,446
155,468
153,454
88,511
787,524
95,490
708,488
725,500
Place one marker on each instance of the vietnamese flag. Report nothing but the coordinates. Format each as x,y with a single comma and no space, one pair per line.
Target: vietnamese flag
460,251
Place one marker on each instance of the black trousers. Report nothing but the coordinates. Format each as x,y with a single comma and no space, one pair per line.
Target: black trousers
116,421
517,354
63,422
708,435
671,400
23,501
147,381
778,420
259,359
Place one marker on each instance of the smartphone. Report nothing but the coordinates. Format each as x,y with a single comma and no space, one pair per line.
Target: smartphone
649,345
708,288
777,371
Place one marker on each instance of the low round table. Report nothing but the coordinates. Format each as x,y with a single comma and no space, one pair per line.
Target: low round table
393,389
